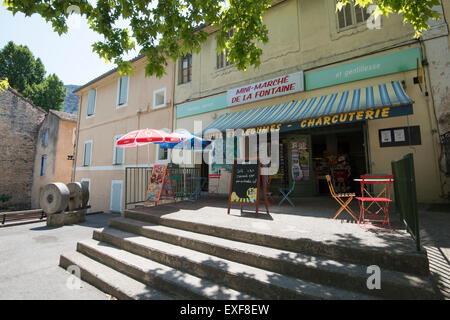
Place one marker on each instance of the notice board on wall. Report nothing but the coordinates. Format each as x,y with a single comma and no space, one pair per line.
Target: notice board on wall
401,136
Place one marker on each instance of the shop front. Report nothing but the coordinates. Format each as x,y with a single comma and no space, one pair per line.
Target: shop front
347,121
318,136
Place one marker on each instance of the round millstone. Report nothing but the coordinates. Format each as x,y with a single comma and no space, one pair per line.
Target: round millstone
54,197
76,196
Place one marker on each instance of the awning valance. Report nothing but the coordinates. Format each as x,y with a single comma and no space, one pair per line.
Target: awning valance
361,99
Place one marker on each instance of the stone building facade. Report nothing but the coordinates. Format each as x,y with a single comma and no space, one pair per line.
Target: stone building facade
20,121
54,147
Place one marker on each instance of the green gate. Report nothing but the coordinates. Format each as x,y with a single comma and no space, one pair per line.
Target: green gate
405,195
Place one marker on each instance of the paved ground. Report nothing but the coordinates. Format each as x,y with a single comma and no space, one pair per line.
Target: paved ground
30,256
435,232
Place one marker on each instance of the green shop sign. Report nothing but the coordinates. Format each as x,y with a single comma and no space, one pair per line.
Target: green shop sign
405,60
201,106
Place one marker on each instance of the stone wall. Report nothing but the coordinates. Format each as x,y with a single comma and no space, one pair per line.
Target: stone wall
20,121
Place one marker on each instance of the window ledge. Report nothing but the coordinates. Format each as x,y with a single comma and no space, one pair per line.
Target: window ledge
349,31
184,83
121,106
160,106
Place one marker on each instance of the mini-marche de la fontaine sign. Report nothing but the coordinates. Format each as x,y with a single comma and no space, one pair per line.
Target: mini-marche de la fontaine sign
271,88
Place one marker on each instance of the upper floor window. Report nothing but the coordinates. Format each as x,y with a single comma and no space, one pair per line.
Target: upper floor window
159,98
122,91
87,153
222,58
185,69
91,102
45,137
119,155
351,15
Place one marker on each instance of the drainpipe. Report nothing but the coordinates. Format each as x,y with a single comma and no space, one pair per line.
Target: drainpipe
77,136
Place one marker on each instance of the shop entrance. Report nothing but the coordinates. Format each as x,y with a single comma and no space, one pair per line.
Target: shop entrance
309,155
340,153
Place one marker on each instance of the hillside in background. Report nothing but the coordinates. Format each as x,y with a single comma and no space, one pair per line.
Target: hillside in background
71,101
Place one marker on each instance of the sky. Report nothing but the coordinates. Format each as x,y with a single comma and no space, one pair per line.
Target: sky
69,56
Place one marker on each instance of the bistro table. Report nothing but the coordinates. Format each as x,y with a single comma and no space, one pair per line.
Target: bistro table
382,199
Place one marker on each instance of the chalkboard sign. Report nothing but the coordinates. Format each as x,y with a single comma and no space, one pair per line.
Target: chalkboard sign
245,186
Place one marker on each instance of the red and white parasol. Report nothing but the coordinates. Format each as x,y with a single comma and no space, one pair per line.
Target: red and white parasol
146,136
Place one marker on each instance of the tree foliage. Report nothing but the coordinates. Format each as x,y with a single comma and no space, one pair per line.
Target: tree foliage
169,28
415,12
163,28
4,84
27,75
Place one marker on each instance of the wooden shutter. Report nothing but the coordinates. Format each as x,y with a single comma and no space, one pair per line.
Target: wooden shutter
87,153
119,152
123,90
91,102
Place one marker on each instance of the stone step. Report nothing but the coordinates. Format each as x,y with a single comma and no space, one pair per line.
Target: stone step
324,271
179,284
244,278
409,262
109,280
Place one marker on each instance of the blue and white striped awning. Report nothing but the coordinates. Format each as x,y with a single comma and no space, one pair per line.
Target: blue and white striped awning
383,95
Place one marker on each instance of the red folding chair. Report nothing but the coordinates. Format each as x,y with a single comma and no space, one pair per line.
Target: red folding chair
375,209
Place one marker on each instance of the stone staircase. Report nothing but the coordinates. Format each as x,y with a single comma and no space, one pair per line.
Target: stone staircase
148,256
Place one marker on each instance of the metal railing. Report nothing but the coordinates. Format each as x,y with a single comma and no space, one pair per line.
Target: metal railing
405,195
186,183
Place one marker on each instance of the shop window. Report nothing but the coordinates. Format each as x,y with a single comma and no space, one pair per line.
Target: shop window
350,16
185,73
222,58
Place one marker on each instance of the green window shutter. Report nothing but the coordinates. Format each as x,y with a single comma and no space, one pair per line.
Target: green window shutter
119,152
91,102
123,90
87,153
